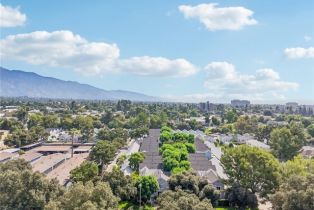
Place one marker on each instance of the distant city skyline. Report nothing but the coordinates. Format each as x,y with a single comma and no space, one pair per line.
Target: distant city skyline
189,51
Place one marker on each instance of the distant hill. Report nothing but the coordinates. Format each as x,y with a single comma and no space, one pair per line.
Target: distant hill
15,83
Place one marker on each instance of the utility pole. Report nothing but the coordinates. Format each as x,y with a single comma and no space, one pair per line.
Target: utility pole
72,145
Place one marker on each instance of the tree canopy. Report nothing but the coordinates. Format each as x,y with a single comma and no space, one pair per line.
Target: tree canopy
21,188
181,200
103,152
251,168
295,194
122,186
286,142
86,196
147,186
135,159
87,171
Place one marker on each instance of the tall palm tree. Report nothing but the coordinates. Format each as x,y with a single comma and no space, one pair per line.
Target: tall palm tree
73,132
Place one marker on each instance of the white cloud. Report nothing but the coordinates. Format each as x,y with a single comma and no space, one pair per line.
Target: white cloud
267,74
307,38
224,83
299,52
68,50
223,79
60,49
157,66
11,17
219,18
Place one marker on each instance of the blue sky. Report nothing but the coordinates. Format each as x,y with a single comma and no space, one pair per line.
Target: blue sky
182,50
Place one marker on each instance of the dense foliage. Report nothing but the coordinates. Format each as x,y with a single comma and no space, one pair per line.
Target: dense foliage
135,159
175,157
252,168
86,196
20,188
287,141
111,125
190,182
181,200
87,171
296,193
146,186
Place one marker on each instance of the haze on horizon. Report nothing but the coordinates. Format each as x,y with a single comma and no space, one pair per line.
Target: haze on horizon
179,50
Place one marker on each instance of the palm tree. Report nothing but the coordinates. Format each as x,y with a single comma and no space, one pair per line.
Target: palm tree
73,132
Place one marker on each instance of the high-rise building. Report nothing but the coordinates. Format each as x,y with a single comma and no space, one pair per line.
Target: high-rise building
240,103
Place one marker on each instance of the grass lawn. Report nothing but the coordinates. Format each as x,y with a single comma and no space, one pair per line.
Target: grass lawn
128,205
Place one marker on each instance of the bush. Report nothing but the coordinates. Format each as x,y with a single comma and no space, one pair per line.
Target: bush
175,155
165,128
190,147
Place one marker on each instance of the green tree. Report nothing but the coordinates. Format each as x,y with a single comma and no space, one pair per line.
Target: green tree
20,188
310,130
231,116
135,159
297,166
296,193
122,186
246,124
146,186
215,121
66,122
241,198
251,168
50,121
138,132
73,132
187,181
121,159
87,129
10,124
107,117
174,156
190,182
15,165
22,114
181,200
263,132
165,136
34,120
286,142
86,196
155,121
104,134
87,171
141,120
103,152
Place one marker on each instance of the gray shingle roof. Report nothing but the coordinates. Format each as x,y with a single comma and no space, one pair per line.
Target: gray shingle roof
200,162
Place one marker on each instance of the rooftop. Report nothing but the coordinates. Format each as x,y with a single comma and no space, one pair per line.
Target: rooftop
47,163
200,162
200,146
150,147
5,156
83,149
30,156
258,144
52,148
62,172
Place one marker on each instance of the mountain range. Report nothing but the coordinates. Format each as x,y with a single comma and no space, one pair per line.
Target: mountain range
16,83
